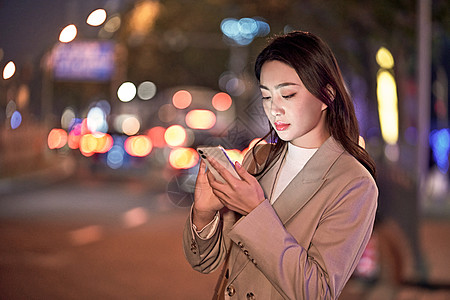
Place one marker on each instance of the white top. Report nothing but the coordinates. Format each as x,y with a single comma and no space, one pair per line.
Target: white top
296,158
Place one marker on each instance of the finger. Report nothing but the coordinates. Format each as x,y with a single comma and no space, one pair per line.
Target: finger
226,201
222,170
202,167
212,180
243,173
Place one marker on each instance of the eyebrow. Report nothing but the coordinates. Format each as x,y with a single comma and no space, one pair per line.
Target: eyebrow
278,86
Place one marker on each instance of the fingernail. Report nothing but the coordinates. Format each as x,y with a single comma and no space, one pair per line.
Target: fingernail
237,164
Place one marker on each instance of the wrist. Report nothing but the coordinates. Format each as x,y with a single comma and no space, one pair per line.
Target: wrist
201,218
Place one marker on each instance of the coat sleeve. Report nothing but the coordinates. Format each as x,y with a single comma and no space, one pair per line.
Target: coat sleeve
204,255
321,270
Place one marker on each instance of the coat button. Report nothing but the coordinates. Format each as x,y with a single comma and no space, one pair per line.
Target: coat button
240,245
230,290
251,296
246,252
194,247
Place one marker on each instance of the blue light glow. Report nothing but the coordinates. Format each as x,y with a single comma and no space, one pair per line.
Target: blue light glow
440,144
243,31
16,119
115,157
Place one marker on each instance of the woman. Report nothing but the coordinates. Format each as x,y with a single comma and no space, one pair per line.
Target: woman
296,224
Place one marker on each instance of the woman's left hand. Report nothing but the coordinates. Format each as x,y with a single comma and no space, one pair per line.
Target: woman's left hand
240,195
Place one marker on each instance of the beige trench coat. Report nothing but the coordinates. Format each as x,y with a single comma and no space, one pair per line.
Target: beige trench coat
305,246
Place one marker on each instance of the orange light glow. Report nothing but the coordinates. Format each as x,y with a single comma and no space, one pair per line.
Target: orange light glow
84,127
183,158
90,144
175,135
139,145
156,135
74,140
200,119
362,142
222,101
104,143
251,145
235,155
57,138
182,99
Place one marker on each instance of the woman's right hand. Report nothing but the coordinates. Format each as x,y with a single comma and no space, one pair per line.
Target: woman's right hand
206,204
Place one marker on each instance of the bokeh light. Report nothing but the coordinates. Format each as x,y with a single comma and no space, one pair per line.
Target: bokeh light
97,17
57,138
68,34
440,144
96,120
156,135
104,143
75,129
200,119
362,142
175,136
16,119
183,158
11,107
235,155
67,117
384,58
387,106
115,157
139,146
88,144
146,90
131,125
243,31
126,92
182,99
113,24
9,70
73,140
221,101
251,145
230,83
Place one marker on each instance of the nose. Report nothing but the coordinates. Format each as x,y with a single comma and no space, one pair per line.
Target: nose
276,107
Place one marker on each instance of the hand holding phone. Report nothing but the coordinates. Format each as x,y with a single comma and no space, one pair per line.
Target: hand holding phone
220,155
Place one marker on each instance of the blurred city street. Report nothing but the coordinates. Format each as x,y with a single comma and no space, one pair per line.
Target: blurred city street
85,238
95,237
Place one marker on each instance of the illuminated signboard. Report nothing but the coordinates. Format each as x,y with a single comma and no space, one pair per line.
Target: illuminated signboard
83,61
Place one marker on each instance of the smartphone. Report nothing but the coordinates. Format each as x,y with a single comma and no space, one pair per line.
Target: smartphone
220,155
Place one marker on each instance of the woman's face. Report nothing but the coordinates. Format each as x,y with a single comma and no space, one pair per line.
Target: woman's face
295,114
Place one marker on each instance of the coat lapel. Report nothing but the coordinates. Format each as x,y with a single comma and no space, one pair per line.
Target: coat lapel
308,181
298,192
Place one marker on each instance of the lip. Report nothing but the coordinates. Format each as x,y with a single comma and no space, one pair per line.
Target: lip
280,126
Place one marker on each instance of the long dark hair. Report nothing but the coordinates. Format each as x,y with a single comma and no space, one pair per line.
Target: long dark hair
317,68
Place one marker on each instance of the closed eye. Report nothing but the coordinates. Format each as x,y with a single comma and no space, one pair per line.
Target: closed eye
289,96
265,98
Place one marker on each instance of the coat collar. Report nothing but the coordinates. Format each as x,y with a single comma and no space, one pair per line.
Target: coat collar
306,183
